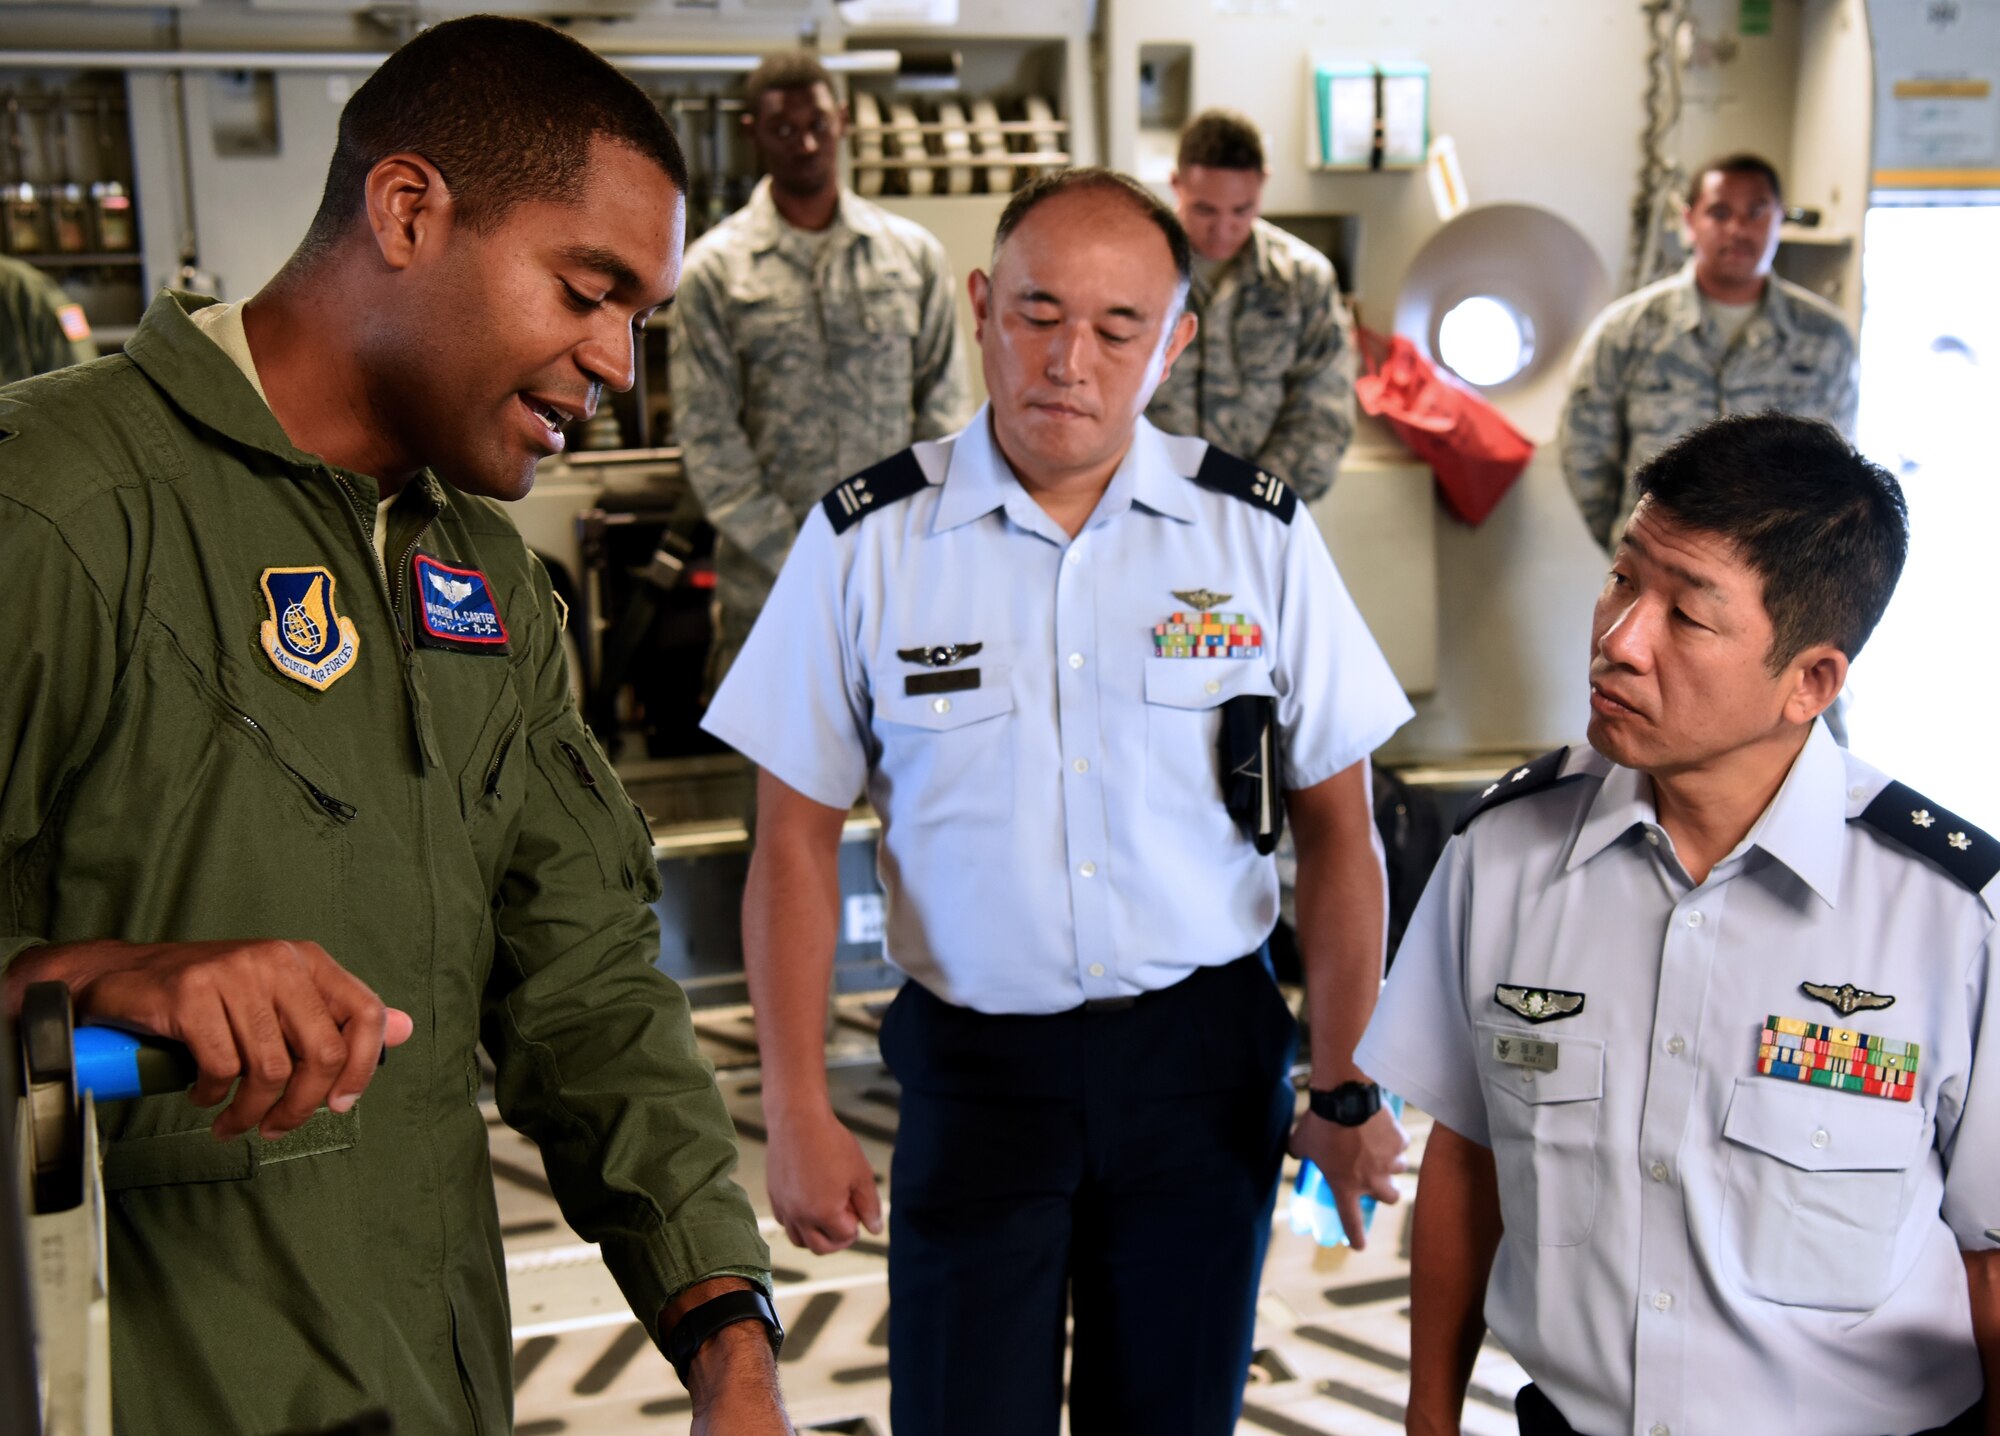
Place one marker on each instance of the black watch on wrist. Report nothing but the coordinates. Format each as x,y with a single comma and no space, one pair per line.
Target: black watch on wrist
1350,1104
694,1329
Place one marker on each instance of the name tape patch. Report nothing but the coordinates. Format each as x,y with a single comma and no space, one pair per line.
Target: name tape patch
455,608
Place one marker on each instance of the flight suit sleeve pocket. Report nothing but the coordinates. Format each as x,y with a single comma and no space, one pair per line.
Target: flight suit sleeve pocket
576,769
1543,1122
1818,1183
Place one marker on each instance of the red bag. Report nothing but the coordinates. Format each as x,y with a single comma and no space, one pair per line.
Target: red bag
1475,453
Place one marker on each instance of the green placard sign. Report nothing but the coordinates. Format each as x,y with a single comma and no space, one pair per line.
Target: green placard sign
1754,18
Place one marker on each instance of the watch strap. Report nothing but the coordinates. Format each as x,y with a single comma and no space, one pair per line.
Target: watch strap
700,1323
1348,1105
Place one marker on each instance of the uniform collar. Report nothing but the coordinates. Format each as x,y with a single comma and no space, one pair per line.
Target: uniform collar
205,383
201,379
1774,306
1804,827
766,229
979,480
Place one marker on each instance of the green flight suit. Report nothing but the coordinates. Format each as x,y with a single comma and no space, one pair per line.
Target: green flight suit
438,819
41,327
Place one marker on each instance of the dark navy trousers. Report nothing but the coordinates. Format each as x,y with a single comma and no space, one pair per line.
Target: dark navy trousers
1115,1167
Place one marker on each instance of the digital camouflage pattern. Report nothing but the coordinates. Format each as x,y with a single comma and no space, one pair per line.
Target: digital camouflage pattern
440,821
1270,374
36,323
798,360
1652,368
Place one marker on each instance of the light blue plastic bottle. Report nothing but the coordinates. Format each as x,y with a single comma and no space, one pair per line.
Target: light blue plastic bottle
1313,1211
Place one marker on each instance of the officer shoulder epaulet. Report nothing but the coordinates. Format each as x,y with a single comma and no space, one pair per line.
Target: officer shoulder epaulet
1532,777
1241,479
1903,815
895,478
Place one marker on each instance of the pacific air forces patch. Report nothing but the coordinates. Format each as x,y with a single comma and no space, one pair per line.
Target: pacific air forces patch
305,638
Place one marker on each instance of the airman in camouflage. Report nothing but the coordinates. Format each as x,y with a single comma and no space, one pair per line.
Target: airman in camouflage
1270,374
41,328
815,334
1723,336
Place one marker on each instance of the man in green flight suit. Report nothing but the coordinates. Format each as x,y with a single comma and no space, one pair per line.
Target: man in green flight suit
289,771
41,327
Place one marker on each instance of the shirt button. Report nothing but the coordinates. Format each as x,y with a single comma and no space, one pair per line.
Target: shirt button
940,705
1658,1171
1076,660
1097,969
1082,765
1089,870
1652,837
1857,794
1694,919
1211,686
1676,1045
1073,556
1659,1429
1662,1301
1820,1138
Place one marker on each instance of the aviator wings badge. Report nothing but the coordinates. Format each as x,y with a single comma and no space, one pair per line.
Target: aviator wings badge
939,655
1539,1004
1846,999
1201,600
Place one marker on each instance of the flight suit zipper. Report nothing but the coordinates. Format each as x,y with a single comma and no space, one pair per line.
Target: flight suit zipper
492,787
330,805
583,773
392,588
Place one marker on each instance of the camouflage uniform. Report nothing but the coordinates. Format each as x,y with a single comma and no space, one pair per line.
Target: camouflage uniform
1652,368
41,328
1271,373
796,363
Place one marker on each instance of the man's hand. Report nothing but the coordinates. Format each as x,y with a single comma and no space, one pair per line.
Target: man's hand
1354,1160
298,1029
822,1188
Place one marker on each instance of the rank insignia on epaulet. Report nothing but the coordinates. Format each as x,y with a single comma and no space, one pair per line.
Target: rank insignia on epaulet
1906,816
895,478
1531,777
1241,479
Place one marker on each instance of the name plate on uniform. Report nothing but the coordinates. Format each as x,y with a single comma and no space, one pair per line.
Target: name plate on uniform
1528,1052
950,680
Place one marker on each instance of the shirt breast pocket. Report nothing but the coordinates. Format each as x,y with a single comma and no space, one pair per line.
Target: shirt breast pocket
1184,698
1818,1184
1544,1126
1661,406
886,340
948,757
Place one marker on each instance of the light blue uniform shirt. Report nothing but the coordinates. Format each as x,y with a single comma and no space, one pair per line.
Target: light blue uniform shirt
1056,834
1691,1246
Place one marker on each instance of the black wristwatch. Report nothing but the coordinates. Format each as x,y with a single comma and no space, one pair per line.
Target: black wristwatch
1350,1104
693,1330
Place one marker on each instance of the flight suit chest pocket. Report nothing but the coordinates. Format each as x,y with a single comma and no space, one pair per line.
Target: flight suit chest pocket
1543,1122
948,756
1184,698
1267,339
492,784
1818,1184
886,345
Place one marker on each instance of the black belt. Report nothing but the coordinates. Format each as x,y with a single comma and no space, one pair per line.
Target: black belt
1538,1417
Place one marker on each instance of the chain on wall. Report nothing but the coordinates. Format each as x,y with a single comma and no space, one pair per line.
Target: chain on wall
1656,207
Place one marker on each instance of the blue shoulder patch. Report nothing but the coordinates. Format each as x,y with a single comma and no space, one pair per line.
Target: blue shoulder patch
1241,479
1906,817
894,479
1533,777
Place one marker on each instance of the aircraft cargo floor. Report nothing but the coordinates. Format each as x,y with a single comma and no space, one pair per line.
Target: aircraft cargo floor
1332,1330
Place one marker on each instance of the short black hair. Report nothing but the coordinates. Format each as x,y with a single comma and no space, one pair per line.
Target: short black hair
1740,163
1077,178
1221,140
505,108
1824,528
787,70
